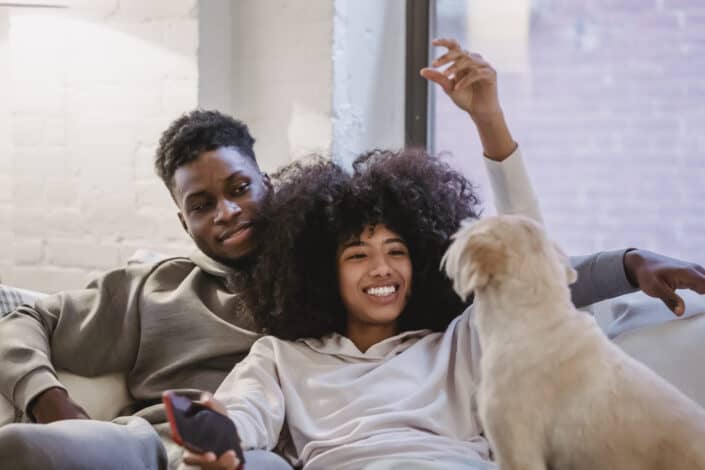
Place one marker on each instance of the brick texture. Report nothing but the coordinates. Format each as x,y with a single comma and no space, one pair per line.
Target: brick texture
82,107
609,110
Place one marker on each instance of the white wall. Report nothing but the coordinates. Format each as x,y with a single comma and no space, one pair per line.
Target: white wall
6,235
89,92
282,76
216,52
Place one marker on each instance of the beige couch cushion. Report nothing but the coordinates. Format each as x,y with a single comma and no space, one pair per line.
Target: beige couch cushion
675,350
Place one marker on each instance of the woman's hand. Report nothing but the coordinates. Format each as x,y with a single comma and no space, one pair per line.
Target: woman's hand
471,82
209,461
659,276
208,401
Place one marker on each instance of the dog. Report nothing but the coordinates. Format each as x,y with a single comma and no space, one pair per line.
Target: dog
554,392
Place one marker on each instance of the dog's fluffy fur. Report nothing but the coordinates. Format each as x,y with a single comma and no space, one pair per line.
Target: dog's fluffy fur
554,392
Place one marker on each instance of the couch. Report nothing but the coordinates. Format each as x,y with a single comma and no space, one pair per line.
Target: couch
640,325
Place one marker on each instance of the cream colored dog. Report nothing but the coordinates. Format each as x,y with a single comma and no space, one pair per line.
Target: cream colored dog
554,392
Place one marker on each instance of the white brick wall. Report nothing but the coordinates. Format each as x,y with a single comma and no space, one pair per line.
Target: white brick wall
84,95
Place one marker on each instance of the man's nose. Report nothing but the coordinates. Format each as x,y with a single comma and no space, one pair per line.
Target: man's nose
226,211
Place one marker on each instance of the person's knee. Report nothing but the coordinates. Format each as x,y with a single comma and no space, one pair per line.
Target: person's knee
19,447
265,460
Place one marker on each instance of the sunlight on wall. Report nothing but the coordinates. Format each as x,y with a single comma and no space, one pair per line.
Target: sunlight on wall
88,97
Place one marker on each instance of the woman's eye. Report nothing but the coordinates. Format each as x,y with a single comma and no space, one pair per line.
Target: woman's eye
356,256
398,252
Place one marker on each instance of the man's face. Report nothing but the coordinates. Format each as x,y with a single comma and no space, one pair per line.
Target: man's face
220,195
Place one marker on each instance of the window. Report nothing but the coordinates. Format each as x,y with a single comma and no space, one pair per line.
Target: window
607,102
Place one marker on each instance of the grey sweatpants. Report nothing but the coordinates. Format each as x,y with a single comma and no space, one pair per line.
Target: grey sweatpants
90,445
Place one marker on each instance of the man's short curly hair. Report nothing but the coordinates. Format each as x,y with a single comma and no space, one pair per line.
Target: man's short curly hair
196,132
317,206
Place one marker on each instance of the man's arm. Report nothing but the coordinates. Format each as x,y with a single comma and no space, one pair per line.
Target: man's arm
89,332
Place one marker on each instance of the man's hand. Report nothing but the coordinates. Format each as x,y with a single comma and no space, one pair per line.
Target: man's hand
659,276
54,404
469,81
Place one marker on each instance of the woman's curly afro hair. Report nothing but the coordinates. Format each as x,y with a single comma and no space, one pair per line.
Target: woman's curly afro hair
317,205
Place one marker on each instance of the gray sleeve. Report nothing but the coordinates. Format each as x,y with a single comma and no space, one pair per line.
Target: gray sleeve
600,276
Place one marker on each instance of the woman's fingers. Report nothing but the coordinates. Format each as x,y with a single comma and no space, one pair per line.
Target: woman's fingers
208,401
208,461
448,57
191,458
449,43
472,76
437,77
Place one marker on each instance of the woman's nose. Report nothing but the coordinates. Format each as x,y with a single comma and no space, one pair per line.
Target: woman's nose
380,269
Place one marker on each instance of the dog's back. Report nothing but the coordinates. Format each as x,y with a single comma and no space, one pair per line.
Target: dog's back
622,417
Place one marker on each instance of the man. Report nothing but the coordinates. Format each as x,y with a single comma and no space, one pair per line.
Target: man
177,324
181,323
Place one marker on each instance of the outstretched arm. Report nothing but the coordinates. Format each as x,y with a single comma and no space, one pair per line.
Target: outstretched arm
471,83
253,397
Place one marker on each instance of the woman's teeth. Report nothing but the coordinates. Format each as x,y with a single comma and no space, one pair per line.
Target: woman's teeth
381,291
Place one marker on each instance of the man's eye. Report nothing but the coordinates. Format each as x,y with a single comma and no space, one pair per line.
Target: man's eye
356,256
198,207
241,189
398,252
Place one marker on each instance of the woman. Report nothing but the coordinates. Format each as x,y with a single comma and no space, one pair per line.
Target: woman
369,358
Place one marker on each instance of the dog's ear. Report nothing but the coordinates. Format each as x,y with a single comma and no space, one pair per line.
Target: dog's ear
473,258
488,257
571,275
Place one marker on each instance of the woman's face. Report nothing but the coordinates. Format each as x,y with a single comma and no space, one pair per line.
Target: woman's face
374,276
